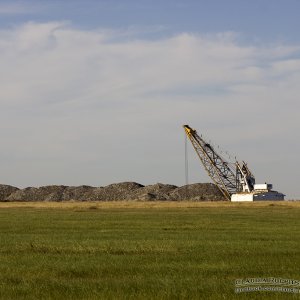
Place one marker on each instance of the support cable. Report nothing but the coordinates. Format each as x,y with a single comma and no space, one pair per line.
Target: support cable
186,161
186,166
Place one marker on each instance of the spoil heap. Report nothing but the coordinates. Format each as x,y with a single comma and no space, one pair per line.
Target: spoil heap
6,191
113,192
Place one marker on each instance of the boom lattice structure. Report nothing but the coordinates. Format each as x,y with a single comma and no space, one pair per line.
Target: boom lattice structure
217,168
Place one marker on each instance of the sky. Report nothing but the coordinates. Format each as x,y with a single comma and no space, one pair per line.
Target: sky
96,92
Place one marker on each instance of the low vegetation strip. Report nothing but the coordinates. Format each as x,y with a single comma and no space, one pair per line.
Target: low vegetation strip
145,250
146,204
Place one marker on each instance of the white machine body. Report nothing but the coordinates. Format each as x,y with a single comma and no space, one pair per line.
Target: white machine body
261,192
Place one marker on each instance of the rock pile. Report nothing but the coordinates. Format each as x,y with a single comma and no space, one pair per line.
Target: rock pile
6,191
113,192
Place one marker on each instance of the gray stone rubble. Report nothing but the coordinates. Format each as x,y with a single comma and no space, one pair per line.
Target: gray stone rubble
113,192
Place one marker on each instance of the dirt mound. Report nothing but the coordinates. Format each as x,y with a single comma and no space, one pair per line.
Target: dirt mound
44,193
113,192
80,193
197,192
116,191
156,191
6,191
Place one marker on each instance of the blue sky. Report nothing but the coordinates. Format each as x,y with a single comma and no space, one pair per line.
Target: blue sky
258,20
95,92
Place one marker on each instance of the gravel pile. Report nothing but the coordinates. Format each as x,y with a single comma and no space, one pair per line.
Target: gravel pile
156,191
6,190
44,193
116,191
79,193
197,192
113,192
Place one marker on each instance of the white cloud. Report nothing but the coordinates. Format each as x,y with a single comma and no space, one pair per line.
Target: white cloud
102,106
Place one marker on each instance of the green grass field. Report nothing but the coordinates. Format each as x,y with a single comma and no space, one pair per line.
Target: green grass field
145,250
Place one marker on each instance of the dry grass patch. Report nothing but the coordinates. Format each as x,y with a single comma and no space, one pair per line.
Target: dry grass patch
143,204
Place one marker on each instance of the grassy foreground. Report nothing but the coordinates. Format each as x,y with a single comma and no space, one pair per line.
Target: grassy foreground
150,250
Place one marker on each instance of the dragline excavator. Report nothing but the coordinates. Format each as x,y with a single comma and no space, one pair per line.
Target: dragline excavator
234,180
